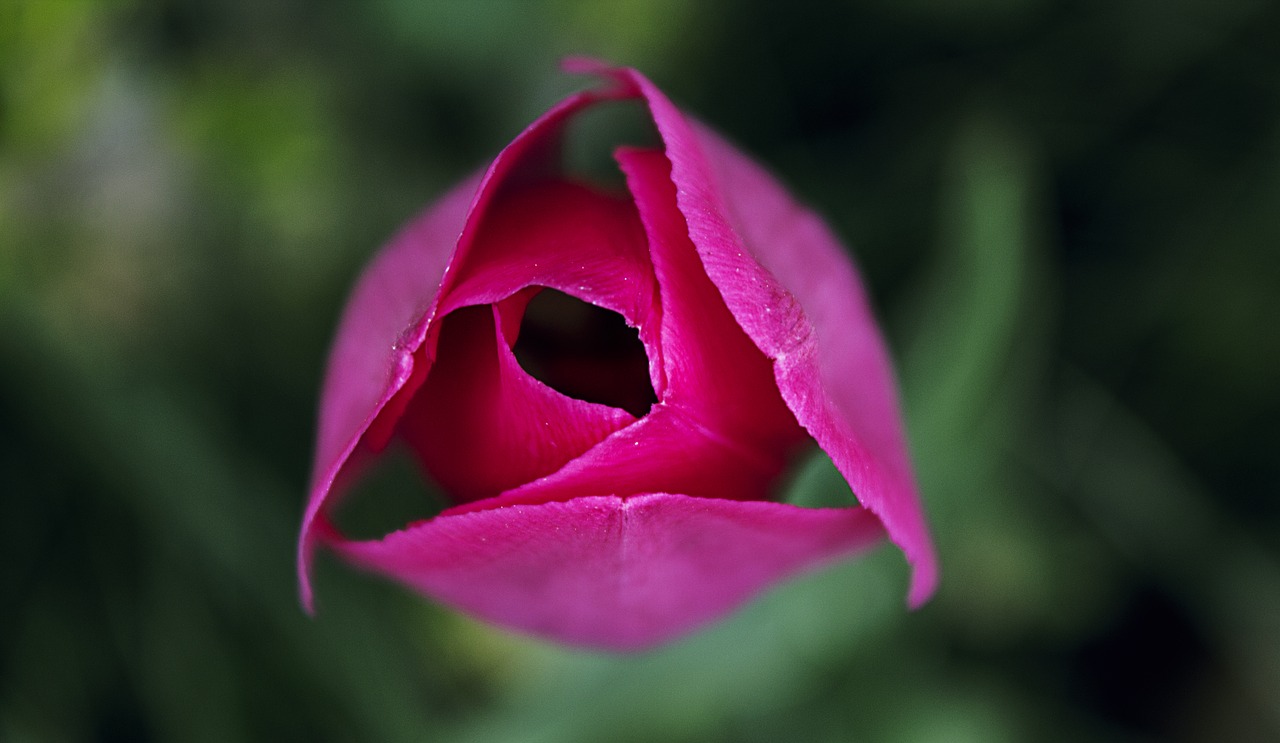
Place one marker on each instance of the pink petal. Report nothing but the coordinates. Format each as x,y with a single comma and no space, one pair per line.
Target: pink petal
563,236
482,425
371,357
611,572
664,450
715,374
389,314
795,292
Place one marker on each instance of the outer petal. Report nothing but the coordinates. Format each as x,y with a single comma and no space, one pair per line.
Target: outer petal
372,357
371,370
795,292
611,572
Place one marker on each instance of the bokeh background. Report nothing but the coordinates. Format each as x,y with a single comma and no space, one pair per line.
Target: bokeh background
1068,213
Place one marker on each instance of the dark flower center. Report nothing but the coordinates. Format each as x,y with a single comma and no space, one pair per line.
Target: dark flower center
585,352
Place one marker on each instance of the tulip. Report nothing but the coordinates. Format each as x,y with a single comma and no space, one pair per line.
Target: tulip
615,501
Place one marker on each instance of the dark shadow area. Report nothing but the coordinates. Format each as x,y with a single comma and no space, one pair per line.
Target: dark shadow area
585,352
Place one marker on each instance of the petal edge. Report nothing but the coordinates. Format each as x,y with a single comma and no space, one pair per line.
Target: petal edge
613,573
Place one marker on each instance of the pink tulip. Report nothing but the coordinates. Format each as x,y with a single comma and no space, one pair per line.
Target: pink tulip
604,524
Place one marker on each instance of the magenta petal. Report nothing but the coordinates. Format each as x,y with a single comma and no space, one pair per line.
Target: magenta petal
386,320
664,450
795,292
388,317
482,425
563,236
371,357
714,372
610,572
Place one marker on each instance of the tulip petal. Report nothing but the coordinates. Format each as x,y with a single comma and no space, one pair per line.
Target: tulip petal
714,372
610,572
482,425
371,357
387,319
564,236
793,289
661,451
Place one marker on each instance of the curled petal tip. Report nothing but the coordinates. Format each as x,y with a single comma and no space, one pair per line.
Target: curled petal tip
924,583
579,64
306,596
622,80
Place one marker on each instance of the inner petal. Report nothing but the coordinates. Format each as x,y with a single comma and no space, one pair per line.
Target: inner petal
565,236
666,451
481,424
715,374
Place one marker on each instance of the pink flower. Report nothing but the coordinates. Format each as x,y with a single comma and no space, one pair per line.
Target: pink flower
610,525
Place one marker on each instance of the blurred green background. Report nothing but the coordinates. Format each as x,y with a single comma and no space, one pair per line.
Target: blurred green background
1068,214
